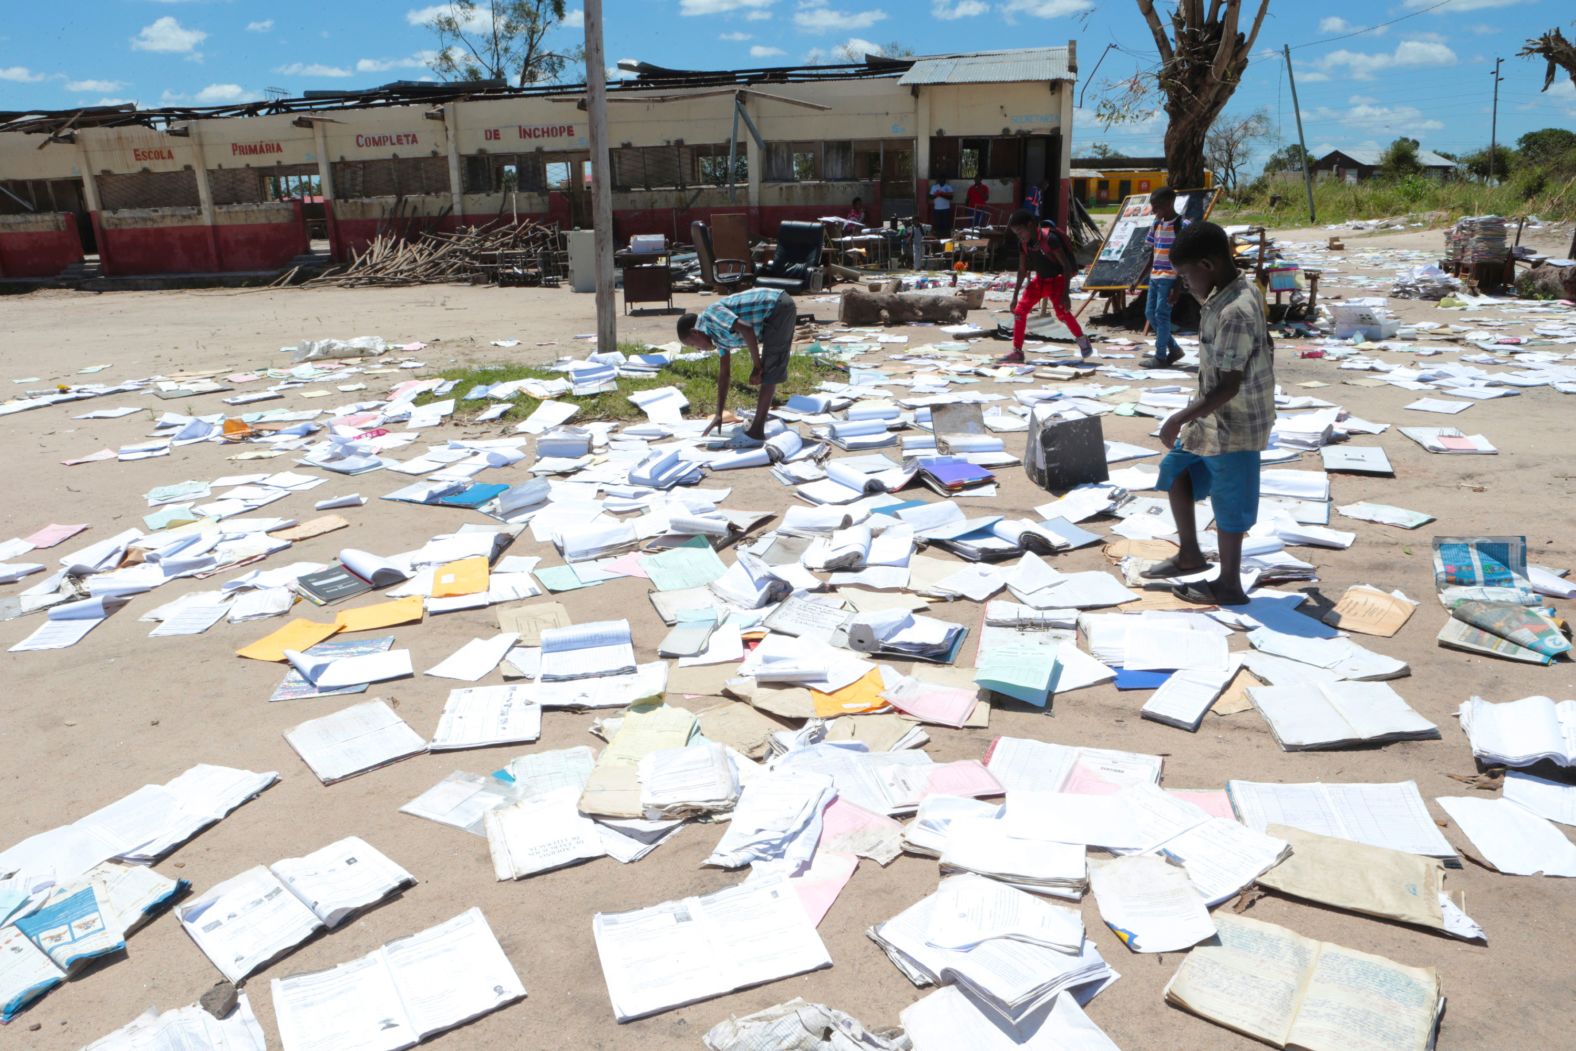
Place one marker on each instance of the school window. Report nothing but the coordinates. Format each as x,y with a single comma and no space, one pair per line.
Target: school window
711,166
806,161
558,175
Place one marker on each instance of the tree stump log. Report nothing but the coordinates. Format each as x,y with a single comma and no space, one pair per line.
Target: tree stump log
886,308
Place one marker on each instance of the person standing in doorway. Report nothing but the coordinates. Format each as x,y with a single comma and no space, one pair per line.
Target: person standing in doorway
1033,200
977,198
1163,288
762,320
941,207
1044,250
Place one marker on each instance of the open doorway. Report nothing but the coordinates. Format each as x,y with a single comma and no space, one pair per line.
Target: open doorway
570,175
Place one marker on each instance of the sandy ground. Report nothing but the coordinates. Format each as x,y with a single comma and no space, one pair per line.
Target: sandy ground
84,726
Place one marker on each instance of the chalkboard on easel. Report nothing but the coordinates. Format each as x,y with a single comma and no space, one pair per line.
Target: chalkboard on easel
1120,263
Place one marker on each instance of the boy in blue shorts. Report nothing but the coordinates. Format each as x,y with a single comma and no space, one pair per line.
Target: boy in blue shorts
1215,442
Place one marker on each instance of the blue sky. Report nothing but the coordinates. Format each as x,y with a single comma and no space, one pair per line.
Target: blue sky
1426,75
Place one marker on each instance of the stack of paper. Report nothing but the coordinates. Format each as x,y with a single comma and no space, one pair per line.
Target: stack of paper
989,848
1512,838
1011,977
950,1018
1521,733
680,952
1338,715
685,782
400,994
778,816
587,651
484,716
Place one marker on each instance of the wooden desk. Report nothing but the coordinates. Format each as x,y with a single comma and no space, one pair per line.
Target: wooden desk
648,278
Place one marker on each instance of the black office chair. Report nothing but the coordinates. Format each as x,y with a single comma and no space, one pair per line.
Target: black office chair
720,275
797,259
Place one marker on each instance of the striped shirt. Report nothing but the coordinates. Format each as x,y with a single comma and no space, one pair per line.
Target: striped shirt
752,307
1234,337
1162,235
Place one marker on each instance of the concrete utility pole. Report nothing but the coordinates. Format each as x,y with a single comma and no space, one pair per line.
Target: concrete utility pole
1302,143
601,175
1493,127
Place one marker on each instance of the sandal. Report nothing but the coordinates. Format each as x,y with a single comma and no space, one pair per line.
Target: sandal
1202,593
1171,567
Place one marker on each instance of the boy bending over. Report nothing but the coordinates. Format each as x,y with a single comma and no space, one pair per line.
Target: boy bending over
761,319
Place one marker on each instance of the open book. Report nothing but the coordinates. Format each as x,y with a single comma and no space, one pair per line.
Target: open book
1289,991
377,571
264,912
1338,715
400,994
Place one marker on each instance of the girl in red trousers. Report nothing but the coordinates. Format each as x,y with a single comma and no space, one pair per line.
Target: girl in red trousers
1045,251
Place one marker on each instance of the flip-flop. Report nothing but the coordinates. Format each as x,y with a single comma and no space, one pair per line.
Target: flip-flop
1169,568
1201,593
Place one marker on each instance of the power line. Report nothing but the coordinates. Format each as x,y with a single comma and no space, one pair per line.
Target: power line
1370,29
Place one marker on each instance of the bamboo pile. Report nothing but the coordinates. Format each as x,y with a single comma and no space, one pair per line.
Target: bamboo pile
493,253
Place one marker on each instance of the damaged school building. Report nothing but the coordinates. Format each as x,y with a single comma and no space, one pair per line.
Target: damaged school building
247,187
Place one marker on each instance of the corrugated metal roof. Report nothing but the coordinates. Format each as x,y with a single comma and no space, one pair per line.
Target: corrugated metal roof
993,67
1373,158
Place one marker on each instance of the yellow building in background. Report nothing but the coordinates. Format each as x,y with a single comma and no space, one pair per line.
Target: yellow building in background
1100,181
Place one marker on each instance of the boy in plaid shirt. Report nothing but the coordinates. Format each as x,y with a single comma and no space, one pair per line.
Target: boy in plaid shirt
1215,442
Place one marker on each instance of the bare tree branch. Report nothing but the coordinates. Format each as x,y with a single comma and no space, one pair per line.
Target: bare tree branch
1156,29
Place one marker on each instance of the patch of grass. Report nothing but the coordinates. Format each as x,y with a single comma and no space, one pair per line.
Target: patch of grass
1430,200
696,379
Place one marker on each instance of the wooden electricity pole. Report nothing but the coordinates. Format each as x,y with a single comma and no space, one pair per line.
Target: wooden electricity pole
601,184
1302,143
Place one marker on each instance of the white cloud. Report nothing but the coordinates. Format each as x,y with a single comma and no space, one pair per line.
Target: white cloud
761,51
735,36
95,85
574,19
758,16
1045,8
854,49
313,69
1365,113
1484,29
756,8
1407,54
420,60
166,34
114,102
1335,24
1312,76
223,93
260,27
477,20
1461,5
20,75
816,16
955,9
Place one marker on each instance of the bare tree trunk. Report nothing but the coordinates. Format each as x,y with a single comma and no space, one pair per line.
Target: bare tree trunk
1201,62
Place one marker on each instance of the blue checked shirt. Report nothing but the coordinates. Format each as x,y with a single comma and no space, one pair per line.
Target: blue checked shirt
752,307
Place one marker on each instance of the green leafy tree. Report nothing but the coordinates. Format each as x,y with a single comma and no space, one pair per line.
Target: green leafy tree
1287,159
1478,161
1102,150
1400,158
500,40
1547,146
